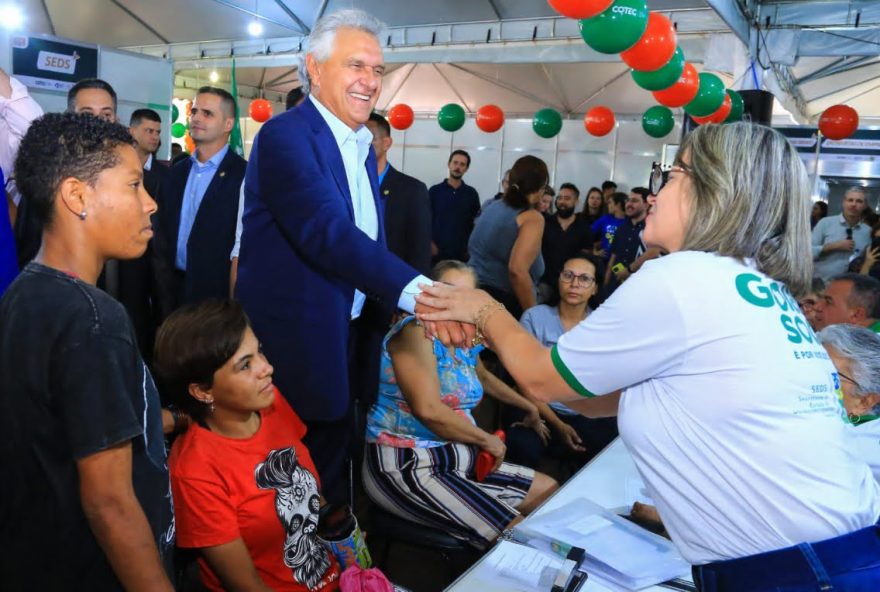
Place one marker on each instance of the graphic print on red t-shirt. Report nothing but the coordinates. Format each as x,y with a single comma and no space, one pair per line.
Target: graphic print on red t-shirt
297,503
264,490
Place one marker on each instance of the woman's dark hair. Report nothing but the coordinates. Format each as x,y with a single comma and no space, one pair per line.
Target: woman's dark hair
602,209
528,175
822,206
58,146
192,344
598,263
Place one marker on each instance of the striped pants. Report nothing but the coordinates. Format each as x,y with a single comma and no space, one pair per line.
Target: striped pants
436,487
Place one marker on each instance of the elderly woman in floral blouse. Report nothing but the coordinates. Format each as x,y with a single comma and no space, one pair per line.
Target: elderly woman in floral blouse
422,441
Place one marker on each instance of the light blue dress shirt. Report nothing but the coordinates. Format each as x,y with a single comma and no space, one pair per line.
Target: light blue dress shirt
832,229
354,145
200,177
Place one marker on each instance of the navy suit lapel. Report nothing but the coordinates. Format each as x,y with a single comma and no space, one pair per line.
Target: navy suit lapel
328,147
175,203
373,175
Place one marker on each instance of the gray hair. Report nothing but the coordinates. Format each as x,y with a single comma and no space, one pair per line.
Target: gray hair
323,34
445,265
750,200
861,347
299,62
857,189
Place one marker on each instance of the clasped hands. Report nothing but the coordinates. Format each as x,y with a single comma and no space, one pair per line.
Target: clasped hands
449,313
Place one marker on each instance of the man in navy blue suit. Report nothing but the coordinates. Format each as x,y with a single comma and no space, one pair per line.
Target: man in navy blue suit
313,244
199,206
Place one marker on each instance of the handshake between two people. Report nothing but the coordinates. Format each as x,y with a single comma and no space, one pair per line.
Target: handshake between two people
451,313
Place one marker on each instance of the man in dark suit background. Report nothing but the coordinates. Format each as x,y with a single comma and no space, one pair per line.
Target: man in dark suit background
145,126
407,209
138,289
198,206
313,243
408,235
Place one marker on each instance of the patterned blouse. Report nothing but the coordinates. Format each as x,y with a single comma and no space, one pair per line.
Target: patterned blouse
391,422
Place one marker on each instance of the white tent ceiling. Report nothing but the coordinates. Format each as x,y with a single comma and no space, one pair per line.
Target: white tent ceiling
513,53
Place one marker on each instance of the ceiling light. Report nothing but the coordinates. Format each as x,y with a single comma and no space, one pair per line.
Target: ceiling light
11,17
255,28
214,76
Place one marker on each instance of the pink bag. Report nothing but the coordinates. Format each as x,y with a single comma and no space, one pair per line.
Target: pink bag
355,579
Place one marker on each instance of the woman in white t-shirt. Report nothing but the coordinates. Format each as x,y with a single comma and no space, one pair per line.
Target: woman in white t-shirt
727,401
855,352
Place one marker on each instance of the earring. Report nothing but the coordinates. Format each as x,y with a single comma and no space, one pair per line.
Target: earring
82,215
210,404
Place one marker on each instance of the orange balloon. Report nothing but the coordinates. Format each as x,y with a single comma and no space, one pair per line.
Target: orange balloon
580,9
599,121
260,110
682,92
656,46
838,122
719,116
401,116
189,108
490,118
190,144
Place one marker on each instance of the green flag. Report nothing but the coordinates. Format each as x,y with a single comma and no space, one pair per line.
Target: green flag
235,139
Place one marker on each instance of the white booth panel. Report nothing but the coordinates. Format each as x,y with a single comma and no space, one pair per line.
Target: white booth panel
574,137
633,170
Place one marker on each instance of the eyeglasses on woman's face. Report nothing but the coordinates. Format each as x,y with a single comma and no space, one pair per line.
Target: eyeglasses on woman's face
570,277
850,380
659,177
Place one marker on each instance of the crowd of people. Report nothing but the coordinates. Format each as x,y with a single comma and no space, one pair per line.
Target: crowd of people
313,315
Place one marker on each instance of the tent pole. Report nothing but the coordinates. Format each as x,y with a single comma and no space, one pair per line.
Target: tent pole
614,150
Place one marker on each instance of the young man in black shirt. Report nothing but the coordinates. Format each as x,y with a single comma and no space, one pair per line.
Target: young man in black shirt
86,500
564,234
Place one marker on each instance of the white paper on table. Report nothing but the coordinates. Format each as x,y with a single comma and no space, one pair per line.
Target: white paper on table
530,568
619,550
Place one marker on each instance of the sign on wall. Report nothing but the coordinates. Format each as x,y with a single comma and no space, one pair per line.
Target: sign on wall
53,64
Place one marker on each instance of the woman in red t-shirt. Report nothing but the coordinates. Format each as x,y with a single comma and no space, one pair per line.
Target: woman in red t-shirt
246,493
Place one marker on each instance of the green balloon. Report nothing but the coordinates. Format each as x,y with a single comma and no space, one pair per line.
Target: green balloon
617,28
736,106
451,117
665,76
709,96
658,121
175,113
547,123
178,130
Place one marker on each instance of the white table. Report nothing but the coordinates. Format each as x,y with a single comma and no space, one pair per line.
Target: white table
610,480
